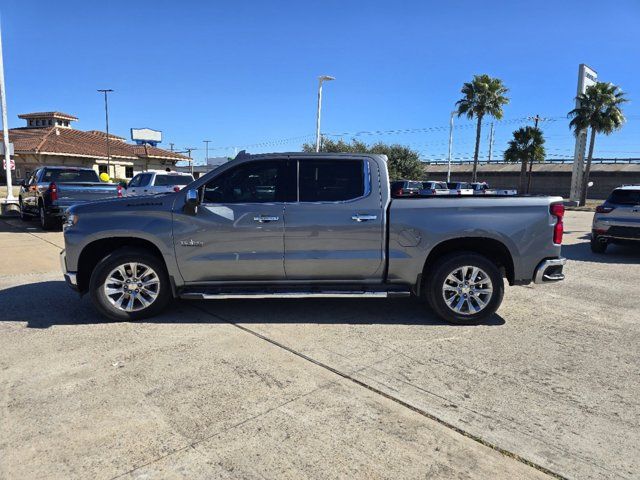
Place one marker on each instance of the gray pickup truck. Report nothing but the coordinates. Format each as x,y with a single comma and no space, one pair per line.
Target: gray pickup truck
49,191
309,225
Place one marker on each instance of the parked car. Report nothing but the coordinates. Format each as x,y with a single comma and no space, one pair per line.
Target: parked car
482,188
406,188
460,188
151,182
617,220
50,191
327,226
431,188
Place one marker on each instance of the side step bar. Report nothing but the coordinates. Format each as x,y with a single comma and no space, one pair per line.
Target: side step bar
294,294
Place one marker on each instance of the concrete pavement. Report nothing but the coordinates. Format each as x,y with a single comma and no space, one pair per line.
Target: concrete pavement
317,389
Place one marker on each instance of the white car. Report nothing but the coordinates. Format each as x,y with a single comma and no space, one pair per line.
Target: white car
431,188
460,188
152,182
482,188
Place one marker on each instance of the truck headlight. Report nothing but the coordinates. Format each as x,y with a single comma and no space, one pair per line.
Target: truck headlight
69,221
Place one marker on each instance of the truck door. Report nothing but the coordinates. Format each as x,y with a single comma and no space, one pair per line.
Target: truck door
336,229
237,233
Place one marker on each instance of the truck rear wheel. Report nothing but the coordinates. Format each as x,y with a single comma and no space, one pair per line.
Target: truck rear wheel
47,222
129,284
464,288
597,246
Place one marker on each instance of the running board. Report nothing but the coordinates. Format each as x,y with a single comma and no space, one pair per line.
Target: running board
295,294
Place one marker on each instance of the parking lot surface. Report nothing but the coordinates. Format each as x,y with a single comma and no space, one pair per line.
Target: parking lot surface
547,388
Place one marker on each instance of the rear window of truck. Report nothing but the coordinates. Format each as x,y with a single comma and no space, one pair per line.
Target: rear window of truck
69,176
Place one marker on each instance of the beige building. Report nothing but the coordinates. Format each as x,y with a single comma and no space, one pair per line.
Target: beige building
49,139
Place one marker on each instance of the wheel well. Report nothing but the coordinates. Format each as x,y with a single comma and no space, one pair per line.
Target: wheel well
494,250
97,250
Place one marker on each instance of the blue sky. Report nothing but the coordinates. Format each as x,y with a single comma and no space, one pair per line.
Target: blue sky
241,73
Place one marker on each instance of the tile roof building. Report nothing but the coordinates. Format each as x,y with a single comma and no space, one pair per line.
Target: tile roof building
49,139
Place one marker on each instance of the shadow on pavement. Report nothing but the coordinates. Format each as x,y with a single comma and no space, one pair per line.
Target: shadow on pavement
615,254
44,304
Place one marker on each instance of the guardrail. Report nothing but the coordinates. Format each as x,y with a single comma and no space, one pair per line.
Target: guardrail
548,161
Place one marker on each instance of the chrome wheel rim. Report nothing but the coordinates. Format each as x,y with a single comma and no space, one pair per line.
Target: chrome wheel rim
467,290
132,286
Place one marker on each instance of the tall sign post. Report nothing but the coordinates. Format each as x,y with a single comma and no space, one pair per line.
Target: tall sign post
5,131
586,77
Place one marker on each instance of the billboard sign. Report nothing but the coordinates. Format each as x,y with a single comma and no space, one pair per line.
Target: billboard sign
586,77
146,135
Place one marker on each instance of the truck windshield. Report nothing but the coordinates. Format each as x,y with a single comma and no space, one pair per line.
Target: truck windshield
625,197
71,175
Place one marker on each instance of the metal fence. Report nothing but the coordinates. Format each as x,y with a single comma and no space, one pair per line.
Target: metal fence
547,161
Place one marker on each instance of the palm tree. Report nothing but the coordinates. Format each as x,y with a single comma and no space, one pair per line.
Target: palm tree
599,110
482,96
527,146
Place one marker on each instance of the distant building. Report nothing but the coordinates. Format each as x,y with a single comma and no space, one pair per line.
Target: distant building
49,139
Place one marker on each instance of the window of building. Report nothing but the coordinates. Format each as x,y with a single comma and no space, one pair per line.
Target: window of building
254,182
50,122
128,172
331,180
102,169
31,122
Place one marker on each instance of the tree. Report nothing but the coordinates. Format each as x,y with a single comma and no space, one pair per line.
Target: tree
403,162
598,110
482,96
526,147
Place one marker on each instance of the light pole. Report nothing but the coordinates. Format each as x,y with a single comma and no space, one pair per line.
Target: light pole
450,144
106,116
321,79
206,149
5,130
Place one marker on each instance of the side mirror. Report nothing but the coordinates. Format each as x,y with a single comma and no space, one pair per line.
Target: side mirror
191,201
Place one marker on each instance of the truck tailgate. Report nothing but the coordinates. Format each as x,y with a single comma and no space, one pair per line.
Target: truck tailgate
70,193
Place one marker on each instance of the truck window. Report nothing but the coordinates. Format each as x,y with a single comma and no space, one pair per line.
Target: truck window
171,180
253,182
71,175
145,179
331,180
135,181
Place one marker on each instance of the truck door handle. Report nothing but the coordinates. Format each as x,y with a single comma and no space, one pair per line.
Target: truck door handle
363,218
265,218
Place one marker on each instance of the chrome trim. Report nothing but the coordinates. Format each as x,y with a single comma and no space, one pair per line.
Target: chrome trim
363,218
541,277
259,295
265,218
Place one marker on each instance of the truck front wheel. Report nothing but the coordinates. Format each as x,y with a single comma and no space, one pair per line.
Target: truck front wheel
129,284
464,288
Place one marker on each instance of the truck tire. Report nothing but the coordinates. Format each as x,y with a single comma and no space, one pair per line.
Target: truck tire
597,246
464,288
47,222
130,284
24,216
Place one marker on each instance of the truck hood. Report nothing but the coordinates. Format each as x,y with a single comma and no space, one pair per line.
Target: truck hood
138,203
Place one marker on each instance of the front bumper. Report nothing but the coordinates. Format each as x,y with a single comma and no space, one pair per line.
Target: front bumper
70,277
550,270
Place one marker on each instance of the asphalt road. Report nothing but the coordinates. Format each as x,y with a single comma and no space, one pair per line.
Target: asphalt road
321,389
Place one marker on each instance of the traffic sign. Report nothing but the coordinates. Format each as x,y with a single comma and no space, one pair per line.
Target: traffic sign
12,164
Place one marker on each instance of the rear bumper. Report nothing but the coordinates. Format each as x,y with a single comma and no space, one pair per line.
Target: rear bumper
616,233
550,270
69,277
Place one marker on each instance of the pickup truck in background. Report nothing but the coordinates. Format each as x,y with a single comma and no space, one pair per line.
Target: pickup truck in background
482,188
49,191
460,188
152,182
305,225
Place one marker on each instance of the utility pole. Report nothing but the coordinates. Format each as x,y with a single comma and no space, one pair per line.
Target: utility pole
171,146
321,79
450,145
5,131
490,142
188,151
106,116
535,119
206,149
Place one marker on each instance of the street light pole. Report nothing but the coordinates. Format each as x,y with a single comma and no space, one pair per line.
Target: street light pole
106,116
206,149
5,130
321,79
450,145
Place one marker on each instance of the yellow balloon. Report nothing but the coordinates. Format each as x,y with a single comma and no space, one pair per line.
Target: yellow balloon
104,177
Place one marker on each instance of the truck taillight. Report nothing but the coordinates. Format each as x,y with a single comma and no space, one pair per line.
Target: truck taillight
433,191
400,191
603,209
557,210
119,190
53,191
